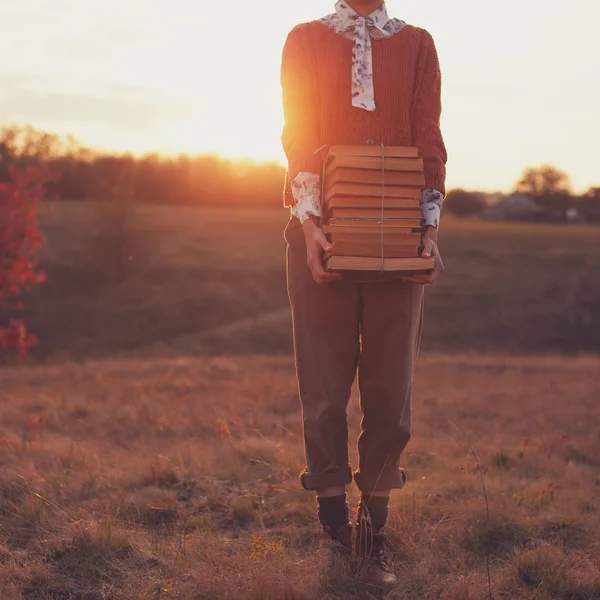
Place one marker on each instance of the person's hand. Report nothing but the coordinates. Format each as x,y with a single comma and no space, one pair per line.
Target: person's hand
430,248
316,245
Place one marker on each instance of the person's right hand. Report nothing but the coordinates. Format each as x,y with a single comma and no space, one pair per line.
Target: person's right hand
316,245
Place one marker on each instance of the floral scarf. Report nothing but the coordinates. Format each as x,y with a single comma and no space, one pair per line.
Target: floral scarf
347,22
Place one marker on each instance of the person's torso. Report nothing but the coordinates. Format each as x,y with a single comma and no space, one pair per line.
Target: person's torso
395,64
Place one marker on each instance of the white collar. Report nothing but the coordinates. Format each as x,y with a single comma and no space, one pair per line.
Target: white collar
379,18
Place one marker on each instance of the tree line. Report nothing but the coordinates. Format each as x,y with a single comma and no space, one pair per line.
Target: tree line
81,173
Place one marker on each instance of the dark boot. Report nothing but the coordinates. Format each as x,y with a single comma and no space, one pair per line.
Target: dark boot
373,550
333,515
340,549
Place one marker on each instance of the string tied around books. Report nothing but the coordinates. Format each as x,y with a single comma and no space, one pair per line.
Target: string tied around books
382,204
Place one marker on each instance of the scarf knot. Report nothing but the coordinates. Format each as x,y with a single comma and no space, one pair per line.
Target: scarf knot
346,20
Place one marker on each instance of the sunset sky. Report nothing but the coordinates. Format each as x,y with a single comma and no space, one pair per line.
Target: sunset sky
521,84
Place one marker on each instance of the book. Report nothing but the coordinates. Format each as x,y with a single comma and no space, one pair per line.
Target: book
377,224
374,250
390,238
366,263
366,227
372,202
374,176
375,213
374,150
364,189
373,162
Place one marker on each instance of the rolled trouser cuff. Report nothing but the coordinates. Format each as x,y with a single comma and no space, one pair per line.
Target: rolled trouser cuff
389,480
318,481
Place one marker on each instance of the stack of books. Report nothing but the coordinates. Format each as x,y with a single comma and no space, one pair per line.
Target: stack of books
372,212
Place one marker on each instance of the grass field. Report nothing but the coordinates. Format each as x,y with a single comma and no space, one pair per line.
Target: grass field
151,448
178,479
209,280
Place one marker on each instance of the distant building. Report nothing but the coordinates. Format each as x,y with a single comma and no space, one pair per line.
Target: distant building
515,207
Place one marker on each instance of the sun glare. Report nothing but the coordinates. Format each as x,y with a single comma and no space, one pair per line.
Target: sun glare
225,97
227,131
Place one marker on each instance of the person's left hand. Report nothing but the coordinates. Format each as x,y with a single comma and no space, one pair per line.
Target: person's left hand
430,248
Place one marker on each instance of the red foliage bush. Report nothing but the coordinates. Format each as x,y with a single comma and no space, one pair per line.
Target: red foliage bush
20,241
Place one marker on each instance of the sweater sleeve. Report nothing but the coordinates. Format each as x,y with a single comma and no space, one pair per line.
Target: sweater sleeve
300,131
427,109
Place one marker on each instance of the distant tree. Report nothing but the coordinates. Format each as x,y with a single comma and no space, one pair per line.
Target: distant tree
544,180
6,160
594,193
590,204
28,146
463,203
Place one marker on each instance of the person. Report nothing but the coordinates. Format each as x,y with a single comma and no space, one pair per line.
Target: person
356,76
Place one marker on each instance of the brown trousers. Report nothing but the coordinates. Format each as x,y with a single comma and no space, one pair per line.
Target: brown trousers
340,327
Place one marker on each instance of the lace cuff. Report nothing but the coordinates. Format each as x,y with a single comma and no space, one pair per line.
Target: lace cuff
306,189
431,204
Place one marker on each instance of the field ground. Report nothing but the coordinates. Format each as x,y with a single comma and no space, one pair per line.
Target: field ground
177,478
151,448
172,281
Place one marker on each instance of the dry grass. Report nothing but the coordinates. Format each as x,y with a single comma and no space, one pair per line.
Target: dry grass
204,280
153,478
178,479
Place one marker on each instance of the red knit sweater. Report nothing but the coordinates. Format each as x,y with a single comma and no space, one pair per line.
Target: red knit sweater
317,102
